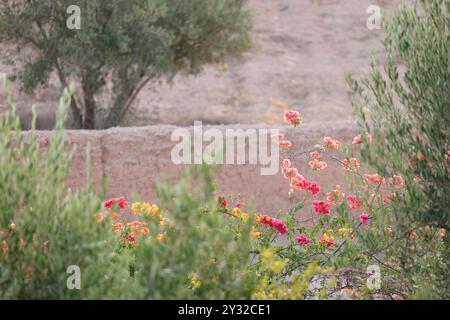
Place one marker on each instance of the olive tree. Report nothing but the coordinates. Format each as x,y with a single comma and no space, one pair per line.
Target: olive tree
117,47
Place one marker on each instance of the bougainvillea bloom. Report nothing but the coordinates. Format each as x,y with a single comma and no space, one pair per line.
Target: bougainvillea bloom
222,201
321,207
274,223
303,239
285,144
315,155
374,178
363,217
293,117
316,164
328,240
331,143
353,203
311,186
336,196
359,139
121,201
351,163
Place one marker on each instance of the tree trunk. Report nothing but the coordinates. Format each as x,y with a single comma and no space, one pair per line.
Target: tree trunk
89,112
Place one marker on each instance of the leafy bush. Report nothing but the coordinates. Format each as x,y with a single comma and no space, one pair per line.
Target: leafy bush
44,229
125,43
406,108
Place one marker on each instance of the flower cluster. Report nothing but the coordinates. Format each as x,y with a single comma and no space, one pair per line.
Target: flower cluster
303,239
297,180
327,239
315,162
353,203
274,223
351,164
293,118
331,144
321,207
282,142
131,230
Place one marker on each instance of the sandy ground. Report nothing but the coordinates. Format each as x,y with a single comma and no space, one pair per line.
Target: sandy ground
302,50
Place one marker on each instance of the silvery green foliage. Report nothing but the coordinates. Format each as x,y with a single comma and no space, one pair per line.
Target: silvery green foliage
406,105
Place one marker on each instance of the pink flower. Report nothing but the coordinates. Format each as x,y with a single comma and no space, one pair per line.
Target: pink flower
293,117
331,143
317,165
281,141
303,239
286,163
363,217
321,207
351,163
285,144
359,139
447,156
315,155
442,232
353,203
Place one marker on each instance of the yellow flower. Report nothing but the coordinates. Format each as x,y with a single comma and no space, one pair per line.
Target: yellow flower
136,208
195,281
212,261
12,226
236,212
150,209
160,236
345,231
255,233
244,216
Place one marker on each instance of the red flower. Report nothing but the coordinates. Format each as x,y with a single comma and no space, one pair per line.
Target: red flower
121,201
222,201
303,239
321,206
275,223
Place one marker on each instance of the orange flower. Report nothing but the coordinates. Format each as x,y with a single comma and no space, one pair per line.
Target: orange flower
331,143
